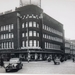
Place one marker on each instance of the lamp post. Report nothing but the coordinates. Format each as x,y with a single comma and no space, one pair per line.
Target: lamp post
28,46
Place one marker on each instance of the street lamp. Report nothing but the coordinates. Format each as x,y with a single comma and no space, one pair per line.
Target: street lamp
27,45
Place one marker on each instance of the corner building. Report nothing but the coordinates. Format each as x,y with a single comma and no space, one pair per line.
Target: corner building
30,33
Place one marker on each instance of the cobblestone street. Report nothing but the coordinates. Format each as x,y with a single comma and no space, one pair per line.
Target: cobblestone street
44,67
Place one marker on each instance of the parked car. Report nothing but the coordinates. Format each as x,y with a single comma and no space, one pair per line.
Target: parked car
14,63
57,61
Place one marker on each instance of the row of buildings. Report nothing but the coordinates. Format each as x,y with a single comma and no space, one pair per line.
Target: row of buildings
28,32
69,48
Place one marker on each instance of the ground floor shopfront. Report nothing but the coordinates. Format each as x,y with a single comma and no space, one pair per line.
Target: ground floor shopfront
32,55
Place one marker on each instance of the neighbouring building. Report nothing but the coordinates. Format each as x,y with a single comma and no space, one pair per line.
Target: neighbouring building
28,32
72,48
67,49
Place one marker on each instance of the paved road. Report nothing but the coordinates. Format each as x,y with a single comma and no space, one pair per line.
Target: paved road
44,67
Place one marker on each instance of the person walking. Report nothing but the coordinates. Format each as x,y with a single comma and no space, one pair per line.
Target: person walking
73,59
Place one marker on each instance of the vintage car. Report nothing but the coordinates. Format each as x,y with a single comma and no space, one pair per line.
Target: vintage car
14,63
57,61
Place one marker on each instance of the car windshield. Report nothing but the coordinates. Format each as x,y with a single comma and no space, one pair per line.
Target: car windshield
14,60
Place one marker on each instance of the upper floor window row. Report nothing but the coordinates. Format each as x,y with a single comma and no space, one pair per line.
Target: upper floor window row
31,33
7,27
31,43
7,36
30,24
67,45
52,38
52,46
7,45
45,27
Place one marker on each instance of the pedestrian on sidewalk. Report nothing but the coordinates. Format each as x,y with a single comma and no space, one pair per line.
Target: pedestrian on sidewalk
73,59
2,63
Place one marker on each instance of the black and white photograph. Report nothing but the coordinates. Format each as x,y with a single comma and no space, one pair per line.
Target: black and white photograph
37,36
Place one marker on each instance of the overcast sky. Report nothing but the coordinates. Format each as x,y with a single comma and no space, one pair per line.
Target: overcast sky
61,10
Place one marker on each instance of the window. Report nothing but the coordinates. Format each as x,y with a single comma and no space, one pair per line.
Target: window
47,36
26,24
37,34
30,33
37,25
4,36
34,33
2,45
26,43
23,35
34,24
4,28
30,24
9,28
45,44
30,43
34,43
26,34
43,36
37,43
12,44
9,35
1,36
1,28
22,25
23,44
12,26
12,36
47,28
7,45
43,26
